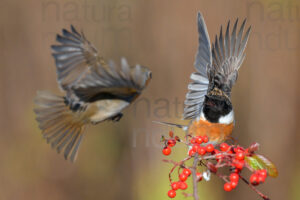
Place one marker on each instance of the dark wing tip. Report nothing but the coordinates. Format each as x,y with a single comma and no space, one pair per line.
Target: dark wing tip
200,19
65,32
53,47
73,29
244,21
227,28
199,15
249,29
235,25
58,38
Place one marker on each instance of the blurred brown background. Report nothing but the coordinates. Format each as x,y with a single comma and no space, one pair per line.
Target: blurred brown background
123,160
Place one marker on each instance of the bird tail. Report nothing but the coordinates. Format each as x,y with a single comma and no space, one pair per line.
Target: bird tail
183,127
58,123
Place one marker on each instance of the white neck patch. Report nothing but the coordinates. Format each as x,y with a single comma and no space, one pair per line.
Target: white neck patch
227,119
201,116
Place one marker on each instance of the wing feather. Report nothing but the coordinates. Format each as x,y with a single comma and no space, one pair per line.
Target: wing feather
113,81
198,87
74,57
225,70
84,74
216,65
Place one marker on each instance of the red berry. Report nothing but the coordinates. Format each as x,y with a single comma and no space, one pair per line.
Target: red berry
210,148
199,140
171,142
175,185
195,147
199,176
186,171
183,185
238,149
261,179
227,187
183,177
216,151
263,173
172,193
205,139
233,184
235,170
201,151
254,179
234,177
240,156
191,152
166,151
171,133
239,164
193,140
224,147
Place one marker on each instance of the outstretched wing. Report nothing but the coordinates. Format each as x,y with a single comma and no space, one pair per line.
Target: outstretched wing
112,82
228,55
200,80
74,57
87,77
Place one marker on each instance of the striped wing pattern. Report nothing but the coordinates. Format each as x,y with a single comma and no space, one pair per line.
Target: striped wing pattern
228,55
83,73
217,66
199,85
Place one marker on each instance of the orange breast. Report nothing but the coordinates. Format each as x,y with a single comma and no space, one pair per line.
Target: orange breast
215,131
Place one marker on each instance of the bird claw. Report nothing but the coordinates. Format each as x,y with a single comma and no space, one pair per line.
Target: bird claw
117,117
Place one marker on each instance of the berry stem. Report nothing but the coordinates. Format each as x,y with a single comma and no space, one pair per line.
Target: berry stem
194,175
176,164
218,174
255,189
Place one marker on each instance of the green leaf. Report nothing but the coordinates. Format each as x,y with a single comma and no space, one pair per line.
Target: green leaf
257,162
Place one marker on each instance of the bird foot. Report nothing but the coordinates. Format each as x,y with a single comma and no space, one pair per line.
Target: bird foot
117,117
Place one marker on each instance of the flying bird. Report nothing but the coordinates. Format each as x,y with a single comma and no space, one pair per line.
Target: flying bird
208,104
94,91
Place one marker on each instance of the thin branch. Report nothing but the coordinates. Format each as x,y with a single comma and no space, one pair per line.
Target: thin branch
255,189
176,164
195,179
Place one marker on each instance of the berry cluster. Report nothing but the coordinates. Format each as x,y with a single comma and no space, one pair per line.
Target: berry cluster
197,148
234,179
181,184
169,143
234,157
258,177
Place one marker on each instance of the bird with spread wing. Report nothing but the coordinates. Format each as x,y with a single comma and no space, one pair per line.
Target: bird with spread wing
95,91
208,104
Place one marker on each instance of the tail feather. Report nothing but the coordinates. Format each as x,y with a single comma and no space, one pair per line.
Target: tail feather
73,145
59,125
183,127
